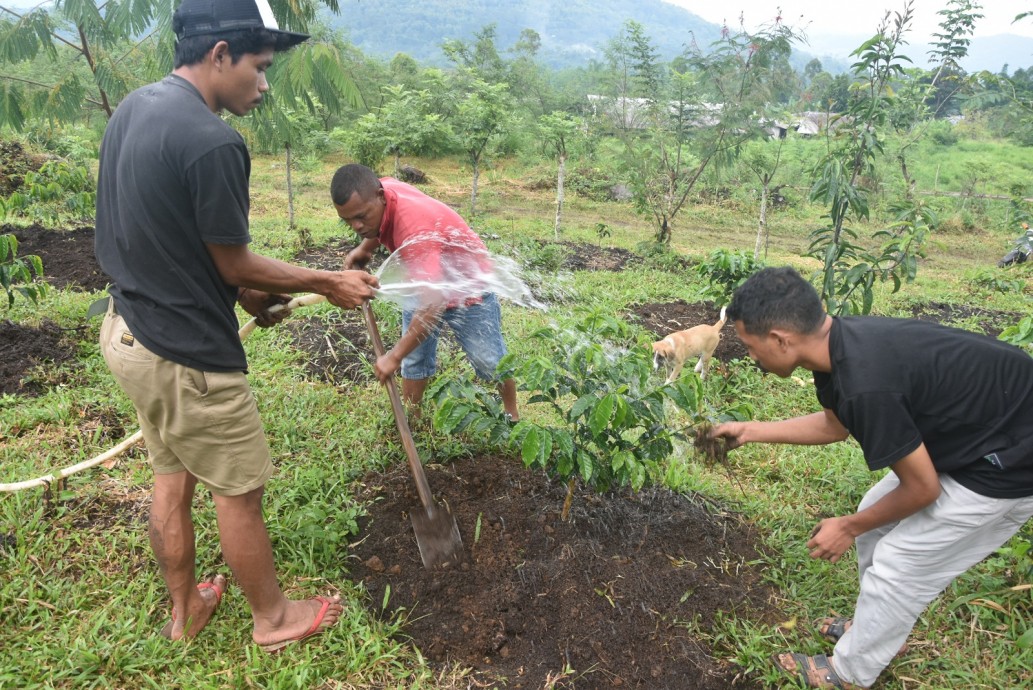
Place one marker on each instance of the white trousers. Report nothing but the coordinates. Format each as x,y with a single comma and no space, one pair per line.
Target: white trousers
904,565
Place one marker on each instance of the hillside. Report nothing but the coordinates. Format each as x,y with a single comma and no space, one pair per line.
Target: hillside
572,31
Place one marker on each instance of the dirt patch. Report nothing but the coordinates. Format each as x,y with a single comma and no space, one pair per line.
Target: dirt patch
338,349
991,321
664,318
31,356
67,255
613,597
15,161
582,256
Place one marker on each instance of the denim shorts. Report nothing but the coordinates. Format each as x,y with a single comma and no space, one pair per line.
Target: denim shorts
477,327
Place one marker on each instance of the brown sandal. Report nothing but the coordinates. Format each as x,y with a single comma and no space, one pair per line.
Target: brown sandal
834,628
815,671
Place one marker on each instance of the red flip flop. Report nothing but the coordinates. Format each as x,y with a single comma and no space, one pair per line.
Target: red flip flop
314,629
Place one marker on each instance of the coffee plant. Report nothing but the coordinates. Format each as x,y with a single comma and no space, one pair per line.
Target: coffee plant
610,414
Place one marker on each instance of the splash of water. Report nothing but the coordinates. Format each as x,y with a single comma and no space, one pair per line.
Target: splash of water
449,267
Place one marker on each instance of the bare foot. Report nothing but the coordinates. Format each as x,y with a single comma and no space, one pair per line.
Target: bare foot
302,619
199,609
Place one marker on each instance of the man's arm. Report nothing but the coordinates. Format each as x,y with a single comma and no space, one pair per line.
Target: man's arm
360,256
816,429
238,265
919,487
423,322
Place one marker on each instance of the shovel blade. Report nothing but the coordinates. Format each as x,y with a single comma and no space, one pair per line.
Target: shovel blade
437,535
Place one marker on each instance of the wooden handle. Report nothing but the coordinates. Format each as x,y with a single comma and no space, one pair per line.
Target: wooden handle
415,466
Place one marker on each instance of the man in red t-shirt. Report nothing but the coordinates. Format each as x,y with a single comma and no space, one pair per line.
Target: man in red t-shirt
445,258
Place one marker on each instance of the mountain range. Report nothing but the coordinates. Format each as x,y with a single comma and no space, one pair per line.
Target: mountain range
574,32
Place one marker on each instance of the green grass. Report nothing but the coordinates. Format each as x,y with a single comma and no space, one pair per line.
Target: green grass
80,596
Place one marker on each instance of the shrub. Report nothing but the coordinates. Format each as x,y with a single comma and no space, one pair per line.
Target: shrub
724,271
16,273
57,192
612,422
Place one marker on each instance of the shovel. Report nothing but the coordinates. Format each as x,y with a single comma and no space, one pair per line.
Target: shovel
437,534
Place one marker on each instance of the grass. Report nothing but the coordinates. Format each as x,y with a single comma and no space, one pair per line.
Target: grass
80,595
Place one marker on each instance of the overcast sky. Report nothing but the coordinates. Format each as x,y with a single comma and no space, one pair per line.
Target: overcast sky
823,17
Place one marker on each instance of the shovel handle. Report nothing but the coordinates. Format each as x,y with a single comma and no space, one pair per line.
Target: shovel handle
415,466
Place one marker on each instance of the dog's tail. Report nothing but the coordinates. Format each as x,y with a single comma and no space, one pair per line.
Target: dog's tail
721,321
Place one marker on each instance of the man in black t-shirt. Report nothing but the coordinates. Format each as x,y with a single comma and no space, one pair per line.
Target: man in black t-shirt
948,411
172,232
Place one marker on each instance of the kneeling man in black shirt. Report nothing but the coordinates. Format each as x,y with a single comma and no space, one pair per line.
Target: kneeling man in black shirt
948,411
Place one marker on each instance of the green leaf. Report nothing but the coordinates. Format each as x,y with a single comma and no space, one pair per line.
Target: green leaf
599,418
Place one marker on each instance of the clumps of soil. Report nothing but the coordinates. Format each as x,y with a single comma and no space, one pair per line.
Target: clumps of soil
664,318
616,596
338,349
991,321
582,256
15,161
68,258
329,257
714,451
25,350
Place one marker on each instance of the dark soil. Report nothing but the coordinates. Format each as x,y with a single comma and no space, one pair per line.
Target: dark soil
614,595
67,255
991,321
31,356
582,256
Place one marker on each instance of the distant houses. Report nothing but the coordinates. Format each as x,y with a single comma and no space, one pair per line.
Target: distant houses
632,113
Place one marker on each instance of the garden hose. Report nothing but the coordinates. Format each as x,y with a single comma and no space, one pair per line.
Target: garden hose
244,332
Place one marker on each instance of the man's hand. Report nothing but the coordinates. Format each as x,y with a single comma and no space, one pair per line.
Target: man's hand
386,366
357,258
830,539
733,432
349,289
257,303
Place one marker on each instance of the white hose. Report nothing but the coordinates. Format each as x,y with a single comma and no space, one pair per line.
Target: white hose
244,332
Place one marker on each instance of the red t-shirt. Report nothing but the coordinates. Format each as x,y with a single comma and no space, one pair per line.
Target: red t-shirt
437,246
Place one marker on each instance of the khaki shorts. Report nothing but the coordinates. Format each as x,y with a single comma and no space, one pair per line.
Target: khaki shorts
202,422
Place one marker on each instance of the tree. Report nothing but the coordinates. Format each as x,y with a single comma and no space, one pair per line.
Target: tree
849,270
109,39
403,125
558,130
480,118
763,159
696,115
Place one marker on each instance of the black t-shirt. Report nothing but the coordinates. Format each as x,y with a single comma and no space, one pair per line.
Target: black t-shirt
898,383
173,176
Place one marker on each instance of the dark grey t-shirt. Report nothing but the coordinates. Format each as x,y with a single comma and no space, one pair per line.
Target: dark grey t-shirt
173,176
899,383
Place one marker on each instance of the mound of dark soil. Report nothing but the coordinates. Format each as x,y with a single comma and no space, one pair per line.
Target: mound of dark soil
613,597
23,349
338,350
582,256
15,161
67,255
991,321
664,318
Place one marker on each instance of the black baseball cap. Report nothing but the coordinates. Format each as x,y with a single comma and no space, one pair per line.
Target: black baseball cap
204,17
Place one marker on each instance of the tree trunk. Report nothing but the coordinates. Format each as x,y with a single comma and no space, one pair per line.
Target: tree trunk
473,192
560,174
303,234
397,157
762,224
